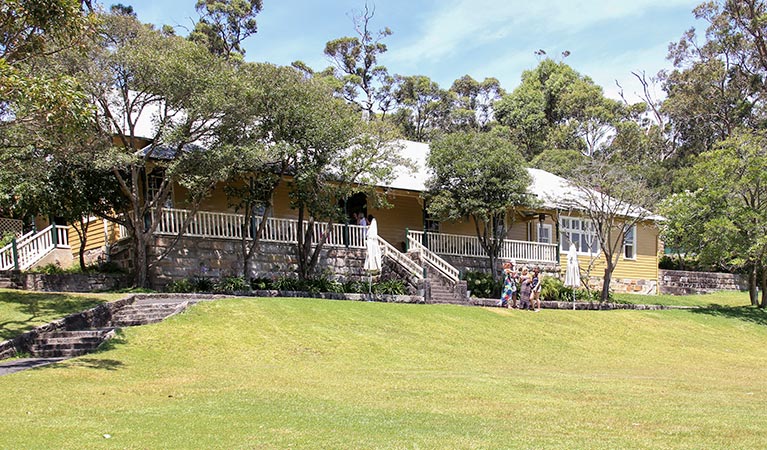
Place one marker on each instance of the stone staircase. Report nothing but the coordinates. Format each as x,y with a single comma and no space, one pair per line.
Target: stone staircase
443,290
144,313
69,343
79,342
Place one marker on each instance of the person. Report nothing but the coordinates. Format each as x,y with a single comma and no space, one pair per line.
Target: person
508,294
536,289
362,222
525,288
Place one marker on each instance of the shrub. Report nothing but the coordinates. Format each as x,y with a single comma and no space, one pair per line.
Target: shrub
50,269
6,238
231,284
289,284
553,289
356,287
482,285
201,284
180,286
390,287
261,284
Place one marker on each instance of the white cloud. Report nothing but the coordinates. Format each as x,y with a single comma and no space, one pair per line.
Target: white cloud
464,24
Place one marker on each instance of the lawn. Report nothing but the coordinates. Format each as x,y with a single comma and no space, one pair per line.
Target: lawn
21,311
305,373
721,298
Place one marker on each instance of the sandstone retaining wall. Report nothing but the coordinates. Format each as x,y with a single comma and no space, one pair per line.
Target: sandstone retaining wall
680,282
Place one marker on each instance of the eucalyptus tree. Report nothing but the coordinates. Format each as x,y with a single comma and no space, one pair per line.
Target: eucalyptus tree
724,219
147,87
556,107
355,59
474,101
616,202
224,24
480,176
37,104
423,107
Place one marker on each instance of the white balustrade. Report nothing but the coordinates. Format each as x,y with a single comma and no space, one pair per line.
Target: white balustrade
388,250
433,260
458,245
31,247
230,226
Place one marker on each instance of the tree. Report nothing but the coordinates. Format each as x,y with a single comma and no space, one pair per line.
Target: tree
724,221
480,176
224,24
338,159
423,106
474,102
556,107
355,59
36,103
178,92
615,202
559,162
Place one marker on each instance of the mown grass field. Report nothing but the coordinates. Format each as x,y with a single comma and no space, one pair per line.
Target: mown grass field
716,299
21,311
303,373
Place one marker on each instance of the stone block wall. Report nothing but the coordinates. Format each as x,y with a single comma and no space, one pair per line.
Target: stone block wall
217,258
626,285
72,282
680,282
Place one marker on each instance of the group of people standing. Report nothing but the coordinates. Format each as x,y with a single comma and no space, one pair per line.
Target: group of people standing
521,289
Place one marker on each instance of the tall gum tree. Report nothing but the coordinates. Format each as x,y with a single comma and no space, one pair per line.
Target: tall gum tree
150,87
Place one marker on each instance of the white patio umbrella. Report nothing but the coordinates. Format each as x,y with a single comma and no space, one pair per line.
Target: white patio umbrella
573,273
373,254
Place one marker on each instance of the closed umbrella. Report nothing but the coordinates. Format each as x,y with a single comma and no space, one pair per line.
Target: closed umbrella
573,273
373,254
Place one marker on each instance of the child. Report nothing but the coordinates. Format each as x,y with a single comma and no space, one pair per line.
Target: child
536,289
525,288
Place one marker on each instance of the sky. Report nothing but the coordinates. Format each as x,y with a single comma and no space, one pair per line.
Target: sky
446,39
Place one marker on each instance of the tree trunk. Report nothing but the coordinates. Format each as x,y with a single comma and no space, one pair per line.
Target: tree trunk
605,295
752,286
141,262
763,286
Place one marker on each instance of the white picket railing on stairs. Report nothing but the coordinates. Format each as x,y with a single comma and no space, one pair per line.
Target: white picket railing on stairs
388,250
433,260
32,247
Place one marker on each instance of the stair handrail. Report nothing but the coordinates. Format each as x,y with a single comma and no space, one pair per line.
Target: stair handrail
434,260
402,259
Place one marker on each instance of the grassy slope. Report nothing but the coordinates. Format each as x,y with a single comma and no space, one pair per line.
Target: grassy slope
721,298
277,373
21,311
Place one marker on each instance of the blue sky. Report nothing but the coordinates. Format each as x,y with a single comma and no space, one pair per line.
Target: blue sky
446,39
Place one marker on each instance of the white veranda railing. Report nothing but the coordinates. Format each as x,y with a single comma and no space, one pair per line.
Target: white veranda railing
458,245
229,226
32,247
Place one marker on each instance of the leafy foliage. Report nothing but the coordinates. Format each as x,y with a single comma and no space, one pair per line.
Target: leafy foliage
482,285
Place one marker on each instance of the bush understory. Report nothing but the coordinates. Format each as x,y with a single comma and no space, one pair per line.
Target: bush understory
228,285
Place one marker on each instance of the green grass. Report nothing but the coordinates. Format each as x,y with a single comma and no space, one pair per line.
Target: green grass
302,373
721,298
21,311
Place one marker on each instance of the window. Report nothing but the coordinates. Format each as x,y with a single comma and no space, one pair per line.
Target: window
155,181
431,224
630,243
580,232
544,233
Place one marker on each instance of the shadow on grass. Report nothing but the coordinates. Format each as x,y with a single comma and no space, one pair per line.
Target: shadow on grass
745,313
95,363
28,310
